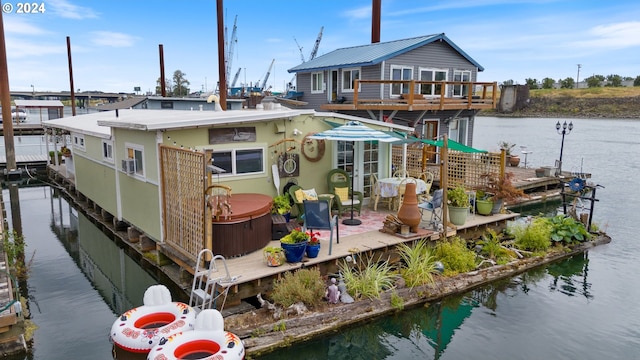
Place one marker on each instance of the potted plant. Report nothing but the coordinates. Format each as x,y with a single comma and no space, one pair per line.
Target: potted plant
313,246
282,205
66,152
484,202
512,160
274,256
458,205
294,245
52,155
503,190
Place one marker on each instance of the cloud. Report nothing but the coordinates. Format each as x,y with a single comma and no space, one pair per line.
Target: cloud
613,36
66,9
20,26
113,39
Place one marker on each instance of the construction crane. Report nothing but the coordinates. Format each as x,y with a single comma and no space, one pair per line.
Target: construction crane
266,77
235,77
229,48
313,53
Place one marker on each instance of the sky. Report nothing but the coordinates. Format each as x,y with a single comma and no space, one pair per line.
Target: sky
115,44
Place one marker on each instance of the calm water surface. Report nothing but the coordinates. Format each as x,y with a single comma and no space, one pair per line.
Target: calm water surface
582,308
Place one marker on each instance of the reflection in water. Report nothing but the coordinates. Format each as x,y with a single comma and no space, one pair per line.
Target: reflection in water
79,280
570,276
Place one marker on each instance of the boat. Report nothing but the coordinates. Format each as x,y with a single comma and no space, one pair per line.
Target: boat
208,340
140,329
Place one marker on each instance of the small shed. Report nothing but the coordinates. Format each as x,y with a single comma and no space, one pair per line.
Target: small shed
53,108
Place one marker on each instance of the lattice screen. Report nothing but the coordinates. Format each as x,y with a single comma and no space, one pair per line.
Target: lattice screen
183,185
471,170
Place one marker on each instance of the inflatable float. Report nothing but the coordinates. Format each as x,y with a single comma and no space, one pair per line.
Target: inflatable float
207,340
141,328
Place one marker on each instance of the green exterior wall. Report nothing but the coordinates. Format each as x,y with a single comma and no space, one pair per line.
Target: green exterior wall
96,178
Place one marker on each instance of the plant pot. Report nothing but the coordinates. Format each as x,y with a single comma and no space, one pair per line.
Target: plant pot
294,252
274,258
312,250
484,207
497,206
458,215
287,216
514,160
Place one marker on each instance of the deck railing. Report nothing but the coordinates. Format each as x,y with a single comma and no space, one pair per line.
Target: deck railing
414,95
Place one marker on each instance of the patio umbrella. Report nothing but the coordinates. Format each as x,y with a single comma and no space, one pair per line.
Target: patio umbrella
353,131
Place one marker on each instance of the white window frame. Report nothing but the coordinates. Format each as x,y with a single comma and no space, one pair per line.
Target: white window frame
317,82
78,142
406,72
234,167
139,159
107,151
349,84
459,130
431,90
464,76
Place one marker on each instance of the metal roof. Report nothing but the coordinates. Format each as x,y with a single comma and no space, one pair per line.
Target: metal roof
99,124
39,103
375,53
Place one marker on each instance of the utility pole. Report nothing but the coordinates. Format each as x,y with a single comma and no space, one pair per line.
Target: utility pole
578,77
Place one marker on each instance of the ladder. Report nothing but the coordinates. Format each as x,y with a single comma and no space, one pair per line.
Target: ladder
208,278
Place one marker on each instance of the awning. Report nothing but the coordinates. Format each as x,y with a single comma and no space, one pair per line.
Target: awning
451,144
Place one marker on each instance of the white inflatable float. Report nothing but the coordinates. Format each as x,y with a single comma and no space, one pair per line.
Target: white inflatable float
207,340
141,328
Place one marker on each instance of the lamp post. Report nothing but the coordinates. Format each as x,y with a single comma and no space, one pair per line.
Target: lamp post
566,130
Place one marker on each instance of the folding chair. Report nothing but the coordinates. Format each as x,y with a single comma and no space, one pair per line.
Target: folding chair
317,216
433,205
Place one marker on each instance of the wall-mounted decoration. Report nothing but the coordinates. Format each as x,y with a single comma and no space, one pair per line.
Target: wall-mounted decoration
231,135
289,165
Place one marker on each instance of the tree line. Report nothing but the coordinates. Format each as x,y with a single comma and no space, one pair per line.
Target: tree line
593,81
179,87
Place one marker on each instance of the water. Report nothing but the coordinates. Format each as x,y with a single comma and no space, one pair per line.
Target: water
582,308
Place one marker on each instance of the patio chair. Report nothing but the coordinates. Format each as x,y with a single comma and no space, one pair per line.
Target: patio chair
217,198
317,216
339,183
427,176
401,173
435,207
376,193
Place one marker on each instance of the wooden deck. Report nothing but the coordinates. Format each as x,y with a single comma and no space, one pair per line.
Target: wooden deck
254,276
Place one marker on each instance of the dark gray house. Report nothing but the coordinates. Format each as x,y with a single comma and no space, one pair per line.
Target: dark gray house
425,82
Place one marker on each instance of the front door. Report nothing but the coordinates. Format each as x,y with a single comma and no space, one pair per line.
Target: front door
365,163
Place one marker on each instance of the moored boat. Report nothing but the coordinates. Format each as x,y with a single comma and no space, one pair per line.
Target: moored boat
141,328
208,340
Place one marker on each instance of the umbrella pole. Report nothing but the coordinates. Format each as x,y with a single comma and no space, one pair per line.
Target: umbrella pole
352,221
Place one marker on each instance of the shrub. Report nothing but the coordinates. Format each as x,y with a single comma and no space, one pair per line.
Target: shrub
304,285
567,230
492,247
370,280
419,264
455,256
533,237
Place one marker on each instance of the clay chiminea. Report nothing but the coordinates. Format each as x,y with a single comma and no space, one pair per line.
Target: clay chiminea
409,213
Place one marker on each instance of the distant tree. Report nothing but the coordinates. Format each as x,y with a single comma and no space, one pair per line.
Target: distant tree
167,87
567,83
636,82
594,80
627,78
547,83
614,80
508,82
532,83
180,84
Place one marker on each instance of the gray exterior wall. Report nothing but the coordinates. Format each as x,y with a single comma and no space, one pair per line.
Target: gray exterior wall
433,55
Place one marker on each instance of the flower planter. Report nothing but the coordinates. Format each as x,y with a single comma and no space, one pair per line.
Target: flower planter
312,250
484,207
458,215
274,258
294,252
